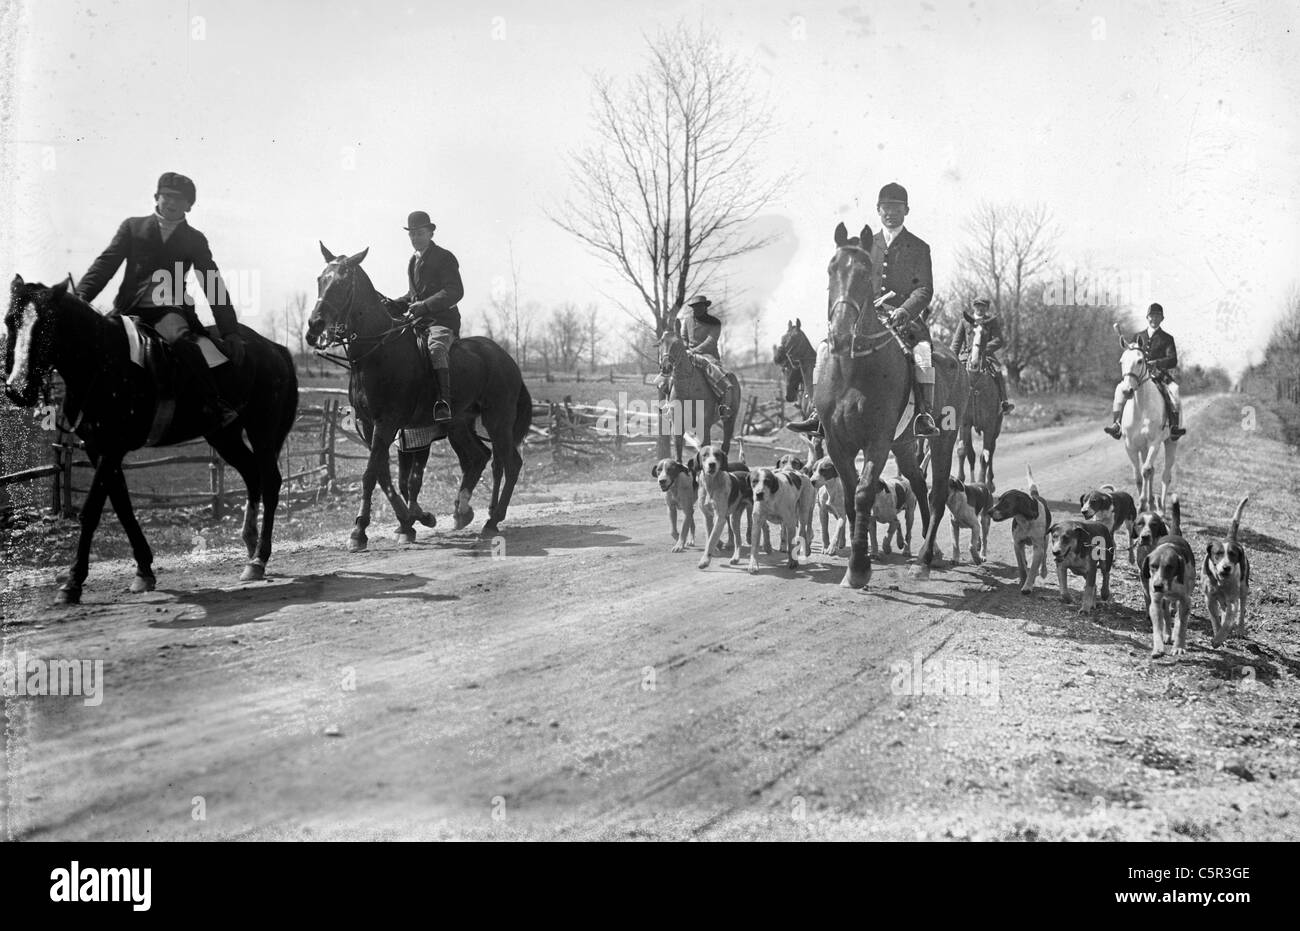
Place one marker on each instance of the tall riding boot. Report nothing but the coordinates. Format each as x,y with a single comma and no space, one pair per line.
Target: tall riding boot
215,407
812,425
720,395
1114,429
1175,430
1007,406
442,408
924,424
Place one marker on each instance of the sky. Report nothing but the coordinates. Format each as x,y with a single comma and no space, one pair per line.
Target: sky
1162,138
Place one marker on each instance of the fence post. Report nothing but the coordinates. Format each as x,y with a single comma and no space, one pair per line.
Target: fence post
332,417
324,437
217,480
56,486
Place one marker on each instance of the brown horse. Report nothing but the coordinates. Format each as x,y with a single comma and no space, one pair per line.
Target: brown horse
691,398
117,406
983,413
390,390
864,392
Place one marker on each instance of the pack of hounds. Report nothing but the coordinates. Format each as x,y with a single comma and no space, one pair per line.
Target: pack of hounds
1082,544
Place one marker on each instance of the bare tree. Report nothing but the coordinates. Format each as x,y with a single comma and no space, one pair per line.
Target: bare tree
595,338
666,195
1008,250
508,323
564,332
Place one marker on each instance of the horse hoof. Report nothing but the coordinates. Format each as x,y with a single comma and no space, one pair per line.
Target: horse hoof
68,595
143,583
253,572
489,529
464,518
428,519
357,544
855,580
406,536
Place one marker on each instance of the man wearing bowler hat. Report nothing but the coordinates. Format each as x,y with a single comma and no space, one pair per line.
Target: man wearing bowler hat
159,251
435,289
1162,360
900,263
962,344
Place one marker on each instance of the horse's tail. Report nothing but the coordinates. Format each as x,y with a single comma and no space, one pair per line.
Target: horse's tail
289,411
1236,520
523,414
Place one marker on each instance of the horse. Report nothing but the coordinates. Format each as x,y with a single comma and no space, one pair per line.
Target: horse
983,413
391,387
797,358
1144,425
690,386
116,406
864,392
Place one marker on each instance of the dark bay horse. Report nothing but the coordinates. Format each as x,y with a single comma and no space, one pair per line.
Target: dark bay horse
983,413
391,388
692,398
112,403
797,357
864,392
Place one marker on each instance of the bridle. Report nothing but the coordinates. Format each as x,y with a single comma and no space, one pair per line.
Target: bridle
343,333
873,343
805,382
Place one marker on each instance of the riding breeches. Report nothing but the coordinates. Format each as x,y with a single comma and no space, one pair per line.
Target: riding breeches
439,339
923,362
712,371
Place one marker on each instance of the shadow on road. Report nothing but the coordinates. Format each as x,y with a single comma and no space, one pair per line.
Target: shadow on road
532,540
220,607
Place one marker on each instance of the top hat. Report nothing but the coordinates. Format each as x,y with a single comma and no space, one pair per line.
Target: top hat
418,219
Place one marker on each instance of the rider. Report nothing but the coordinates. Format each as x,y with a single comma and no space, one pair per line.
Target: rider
992,343
157,250
900,262
701,332
1162,360
435,290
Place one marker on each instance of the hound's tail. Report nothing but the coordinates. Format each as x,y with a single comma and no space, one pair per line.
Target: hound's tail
1175,517
1033,486
1236,520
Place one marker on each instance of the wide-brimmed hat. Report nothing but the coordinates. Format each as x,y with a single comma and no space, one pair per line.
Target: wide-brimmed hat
417,220
699,300
172,181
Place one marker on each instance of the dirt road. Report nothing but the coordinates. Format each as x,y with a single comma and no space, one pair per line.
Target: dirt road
583,682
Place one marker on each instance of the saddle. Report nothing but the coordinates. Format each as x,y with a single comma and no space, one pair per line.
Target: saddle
149,350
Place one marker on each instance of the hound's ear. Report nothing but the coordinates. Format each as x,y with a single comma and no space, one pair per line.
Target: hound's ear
864,237
360,257
654,470
841,235
329,256
1082,499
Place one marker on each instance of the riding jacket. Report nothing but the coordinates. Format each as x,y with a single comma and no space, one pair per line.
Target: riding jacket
962,343
1160,351
702,334
151,270
904,268
435,288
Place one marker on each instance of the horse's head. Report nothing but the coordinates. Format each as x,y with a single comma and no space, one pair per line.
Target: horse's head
792,354
849,290
331,318
671,348
979,335
1132,366
29,338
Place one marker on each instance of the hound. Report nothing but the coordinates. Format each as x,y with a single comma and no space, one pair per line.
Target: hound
1030,518
1151,528
791,462
969,504
680,489
1083,547
1113,508
729,495
830,501
1226,582
786,498
894,498
1168,576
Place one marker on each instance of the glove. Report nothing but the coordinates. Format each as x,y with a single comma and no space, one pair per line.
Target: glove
419,308
899,318
235,348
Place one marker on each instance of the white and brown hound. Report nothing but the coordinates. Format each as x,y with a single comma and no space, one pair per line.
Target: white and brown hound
1030,518
1168,574
1113,508
830,503
1226,582
1083,547
680,488
969,504
893,500
783,497
729,495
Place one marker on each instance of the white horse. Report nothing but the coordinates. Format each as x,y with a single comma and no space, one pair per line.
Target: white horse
1144,425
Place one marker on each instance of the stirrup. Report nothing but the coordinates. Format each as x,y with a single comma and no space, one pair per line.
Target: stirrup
1008,407
1113,429
724,410
917,426
441,411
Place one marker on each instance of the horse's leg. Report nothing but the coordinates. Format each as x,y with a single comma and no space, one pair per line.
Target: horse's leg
1167,479
988,448
144,580
505,452
242,459
414,463
858,574
473,457
378,470
941,448
965,451
908,467
91,510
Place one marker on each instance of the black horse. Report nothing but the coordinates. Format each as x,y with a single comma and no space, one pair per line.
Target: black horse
116,406
391,388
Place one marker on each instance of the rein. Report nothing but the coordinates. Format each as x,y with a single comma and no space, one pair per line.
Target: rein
873,343
339,332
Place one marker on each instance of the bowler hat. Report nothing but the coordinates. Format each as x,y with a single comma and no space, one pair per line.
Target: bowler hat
172,181
419,219
892,191
1155,309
